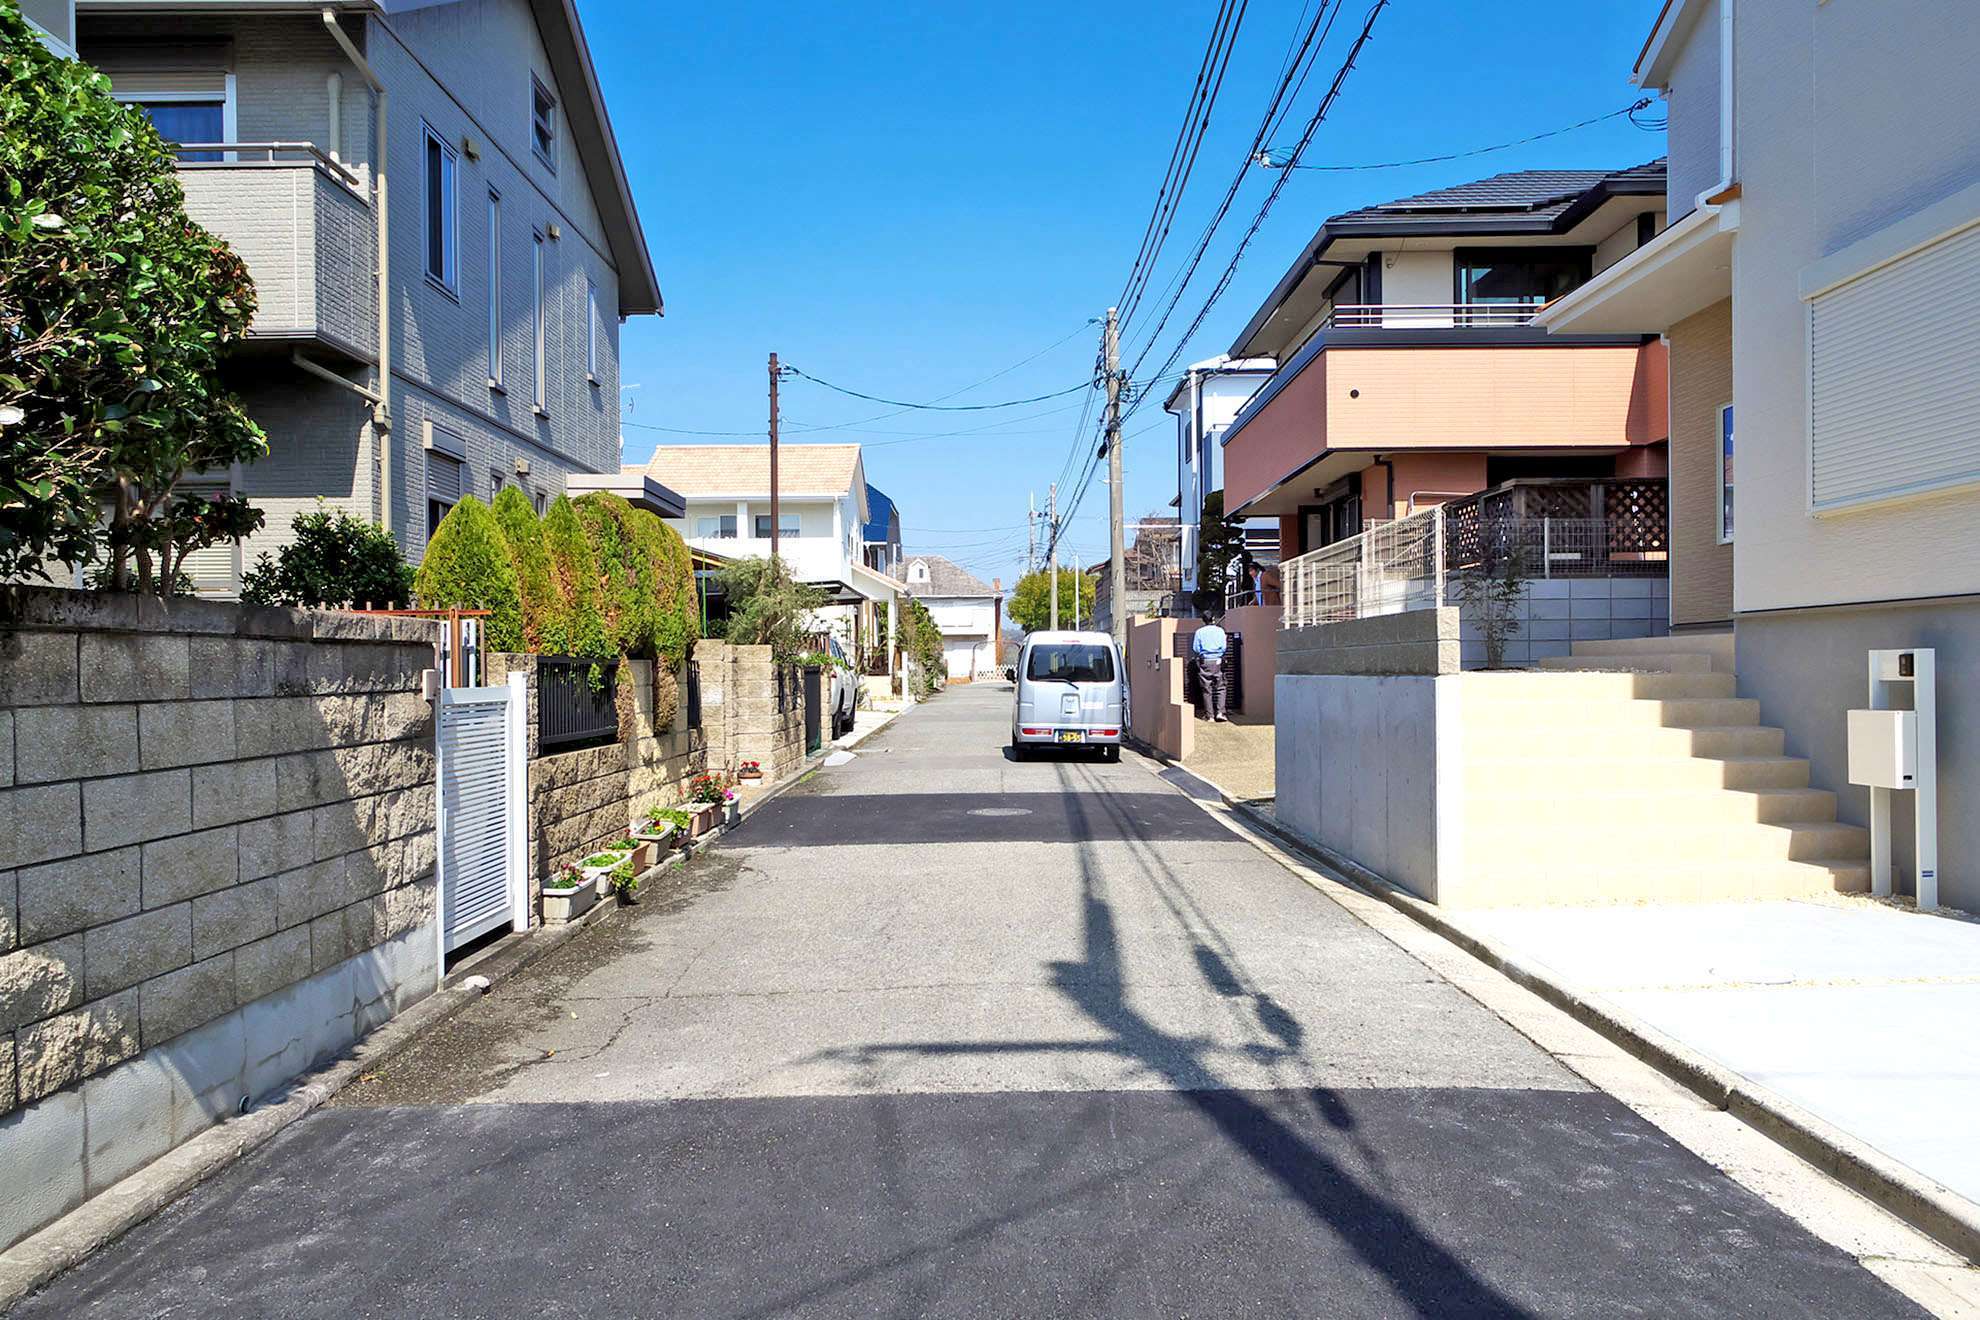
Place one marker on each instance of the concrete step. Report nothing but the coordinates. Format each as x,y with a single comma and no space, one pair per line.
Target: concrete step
1658,883
1609,742
1698,663
1719,646
1689,813
1590,684
1502,834
1657,767
1524,711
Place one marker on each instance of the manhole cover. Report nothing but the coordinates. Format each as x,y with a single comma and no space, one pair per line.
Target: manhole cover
1001,811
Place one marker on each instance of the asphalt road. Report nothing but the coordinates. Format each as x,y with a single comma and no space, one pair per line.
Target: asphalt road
939,1033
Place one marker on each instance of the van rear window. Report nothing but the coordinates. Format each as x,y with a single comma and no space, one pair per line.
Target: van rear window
1071,662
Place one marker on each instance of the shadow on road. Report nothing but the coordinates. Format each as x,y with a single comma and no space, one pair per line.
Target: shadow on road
1420,1271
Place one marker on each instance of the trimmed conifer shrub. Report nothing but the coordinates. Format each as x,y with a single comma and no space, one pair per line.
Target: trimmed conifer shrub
467,566
577,626
522,534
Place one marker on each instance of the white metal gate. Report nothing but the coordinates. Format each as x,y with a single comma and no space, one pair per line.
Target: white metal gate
483,745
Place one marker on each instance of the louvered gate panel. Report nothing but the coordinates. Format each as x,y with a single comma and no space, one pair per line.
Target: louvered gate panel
476,813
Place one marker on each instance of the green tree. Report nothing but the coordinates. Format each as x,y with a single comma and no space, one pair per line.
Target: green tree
921,640
1219,543
1030,603
577,626
335,559
646,590
522,535
767,607
115,312
467,567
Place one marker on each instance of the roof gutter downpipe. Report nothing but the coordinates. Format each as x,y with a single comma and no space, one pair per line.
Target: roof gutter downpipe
381,413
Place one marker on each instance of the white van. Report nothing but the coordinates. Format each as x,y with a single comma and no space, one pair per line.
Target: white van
1071,692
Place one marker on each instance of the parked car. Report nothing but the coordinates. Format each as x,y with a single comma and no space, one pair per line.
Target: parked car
1071,692
843,699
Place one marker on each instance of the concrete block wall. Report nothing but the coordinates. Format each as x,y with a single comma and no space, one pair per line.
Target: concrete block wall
1156,711
1555,613
752,708
1411,642
203,808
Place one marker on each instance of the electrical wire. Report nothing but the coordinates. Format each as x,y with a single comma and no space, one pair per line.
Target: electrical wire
1267,159
932,406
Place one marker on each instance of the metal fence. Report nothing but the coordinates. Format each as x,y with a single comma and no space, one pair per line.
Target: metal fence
1405,565
571,709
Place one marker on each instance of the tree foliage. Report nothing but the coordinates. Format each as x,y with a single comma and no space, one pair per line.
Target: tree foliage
768,607
522,534
921,640
646,588
1030,603
1219,545
577,626
115,312
467,567
334,559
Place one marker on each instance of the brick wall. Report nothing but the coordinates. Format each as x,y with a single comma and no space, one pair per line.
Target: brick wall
203,808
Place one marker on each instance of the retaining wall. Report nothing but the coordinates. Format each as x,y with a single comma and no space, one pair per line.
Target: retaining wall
216,867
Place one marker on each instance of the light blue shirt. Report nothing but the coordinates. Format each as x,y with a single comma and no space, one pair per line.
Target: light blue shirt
1209,641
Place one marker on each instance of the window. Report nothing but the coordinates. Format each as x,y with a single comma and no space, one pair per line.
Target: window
1512,276
218,566
540,313
188,121
442,229
543,122
591,331
444,487
723,527
787,525
1725,474
542,502
494,287
1071,662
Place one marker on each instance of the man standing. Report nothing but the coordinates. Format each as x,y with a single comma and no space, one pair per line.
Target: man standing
1206,649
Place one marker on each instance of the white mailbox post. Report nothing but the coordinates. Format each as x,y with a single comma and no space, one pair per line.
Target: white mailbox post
1896,750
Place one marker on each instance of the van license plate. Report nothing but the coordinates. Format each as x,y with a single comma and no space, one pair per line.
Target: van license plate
1071,736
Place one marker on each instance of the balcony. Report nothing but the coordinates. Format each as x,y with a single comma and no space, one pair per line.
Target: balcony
1425,316
302,223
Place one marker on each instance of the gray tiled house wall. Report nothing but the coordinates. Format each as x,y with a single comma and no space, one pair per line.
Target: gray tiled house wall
216,866
464,69
1555,613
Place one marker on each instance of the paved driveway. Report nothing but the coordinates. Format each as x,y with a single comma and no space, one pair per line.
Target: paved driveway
943,1034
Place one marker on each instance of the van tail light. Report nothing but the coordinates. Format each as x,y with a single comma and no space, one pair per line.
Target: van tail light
1033,733
1108,733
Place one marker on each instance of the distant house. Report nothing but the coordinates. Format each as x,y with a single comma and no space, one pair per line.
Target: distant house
821,508
882,549
966,610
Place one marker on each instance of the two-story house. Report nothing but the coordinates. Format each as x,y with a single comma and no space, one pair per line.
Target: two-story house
967,612
1409,373
443,242
1204,403
822,516
1821,273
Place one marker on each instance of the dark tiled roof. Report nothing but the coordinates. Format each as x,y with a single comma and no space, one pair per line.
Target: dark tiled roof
1523,192
944,578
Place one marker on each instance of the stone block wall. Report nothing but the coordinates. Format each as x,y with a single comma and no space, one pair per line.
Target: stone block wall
203,808
581,799
752,709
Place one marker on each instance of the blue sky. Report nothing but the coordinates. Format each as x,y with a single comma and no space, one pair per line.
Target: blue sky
906,199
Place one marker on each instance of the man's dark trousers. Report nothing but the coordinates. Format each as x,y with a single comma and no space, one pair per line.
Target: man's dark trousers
1210,686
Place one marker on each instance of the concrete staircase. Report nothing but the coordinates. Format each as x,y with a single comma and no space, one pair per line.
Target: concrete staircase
1659,783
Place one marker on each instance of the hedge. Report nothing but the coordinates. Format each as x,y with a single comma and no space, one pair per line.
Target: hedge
467,566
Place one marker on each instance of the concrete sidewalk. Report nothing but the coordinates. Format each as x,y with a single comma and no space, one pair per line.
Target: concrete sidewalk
1861,1013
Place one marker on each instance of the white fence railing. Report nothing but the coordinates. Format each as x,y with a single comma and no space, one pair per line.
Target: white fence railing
1405,565
1356,316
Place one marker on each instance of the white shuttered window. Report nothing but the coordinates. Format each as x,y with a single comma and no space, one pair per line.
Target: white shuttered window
1894,397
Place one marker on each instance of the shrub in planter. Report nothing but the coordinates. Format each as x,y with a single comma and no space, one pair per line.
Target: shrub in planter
678,824
625,881
567,895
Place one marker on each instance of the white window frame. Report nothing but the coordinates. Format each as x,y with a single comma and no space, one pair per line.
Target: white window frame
448,279
1720,445
591,330
543,126
541,314
229,124
211,485
787,524
494,290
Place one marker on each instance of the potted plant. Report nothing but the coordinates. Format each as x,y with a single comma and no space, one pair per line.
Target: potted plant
642,852
678,823
751,772
625,882
705,800
567,895
731,806
598,867
657,832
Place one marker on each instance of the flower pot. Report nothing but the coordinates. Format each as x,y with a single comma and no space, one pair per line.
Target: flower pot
731,812
657,839
706,816
750,776
645,855
601,876
564,905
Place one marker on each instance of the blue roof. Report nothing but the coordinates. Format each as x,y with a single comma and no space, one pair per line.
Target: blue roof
879,515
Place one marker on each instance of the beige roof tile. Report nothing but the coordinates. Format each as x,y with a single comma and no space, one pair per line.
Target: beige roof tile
695,470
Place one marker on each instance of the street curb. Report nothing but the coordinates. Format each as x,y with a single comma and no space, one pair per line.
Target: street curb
1928,1206
36,1259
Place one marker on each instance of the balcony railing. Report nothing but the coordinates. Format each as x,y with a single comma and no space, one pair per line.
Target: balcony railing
1420,316
1527,529
265,153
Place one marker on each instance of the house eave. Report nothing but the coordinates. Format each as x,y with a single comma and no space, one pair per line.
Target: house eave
1681,271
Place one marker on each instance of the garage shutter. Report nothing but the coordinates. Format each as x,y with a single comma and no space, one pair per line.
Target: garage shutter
1894,400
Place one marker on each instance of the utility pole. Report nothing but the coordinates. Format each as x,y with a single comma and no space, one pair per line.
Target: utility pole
1117,567
1052,544
1031,533
776,374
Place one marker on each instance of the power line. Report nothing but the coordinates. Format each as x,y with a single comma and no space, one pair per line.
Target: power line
1266,157
940,407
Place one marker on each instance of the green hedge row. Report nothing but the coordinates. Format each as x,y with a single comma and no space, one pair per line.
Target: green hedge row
593,577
